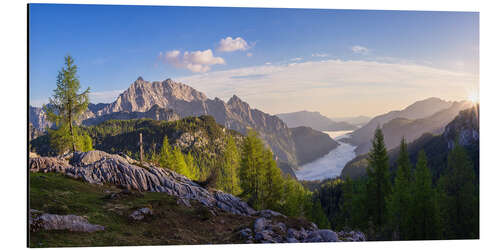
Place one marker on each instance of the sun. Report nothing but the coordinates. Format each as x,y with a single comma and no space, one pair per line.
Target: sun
474,96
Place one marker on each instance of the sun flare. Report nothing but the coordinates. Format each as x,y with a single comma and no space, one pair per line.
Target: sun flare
474,96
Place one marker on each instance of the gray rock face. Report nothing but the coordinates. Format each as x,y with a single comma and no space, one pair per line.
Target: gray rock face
267,230
98,167
38,118
74,223
260,224
155,113
139,214
464,128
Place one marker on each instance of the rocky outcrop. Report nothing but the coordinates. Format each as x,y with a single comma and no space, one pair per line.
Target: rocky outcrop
74,223
155,113
464,128
271,227
99,167
38,118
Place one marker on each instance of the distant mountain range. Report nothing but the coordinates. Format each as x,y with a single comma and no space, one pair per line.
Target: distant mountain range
314,120
463,128
427,116
355,120
169,100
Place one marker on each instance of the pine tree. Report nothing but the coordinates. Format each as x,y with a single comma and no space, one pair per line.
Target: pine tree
398,203
424,209
65,107
459,196
317,215
378,183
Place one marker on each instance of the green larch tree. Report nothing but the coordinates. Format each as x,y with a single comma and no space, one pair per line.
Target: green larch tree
66,106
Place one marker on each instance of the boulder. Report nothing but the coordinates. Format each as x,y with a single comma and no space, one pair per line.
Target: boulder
314,236
267,213
246,233
328,235
260,224
69,222
139,214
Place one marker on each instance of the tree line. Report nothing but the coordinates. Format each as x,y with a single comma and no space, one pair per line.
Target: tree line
408,205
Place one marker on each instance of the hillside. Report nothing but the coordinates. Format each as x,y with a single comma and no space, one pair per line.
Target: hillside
311,144
426,116
464,127
99,199
314,120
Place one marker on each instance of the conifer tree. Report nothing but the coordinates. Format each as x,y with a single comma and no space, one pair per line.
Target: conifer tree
459,199
424,210
193,169
227,179
179,164
398,203
273,182
378,183
294,197
65,107
251,176
165,159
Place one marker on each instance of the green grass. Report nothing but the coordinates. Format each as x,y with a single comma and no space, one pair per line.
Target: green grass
170,224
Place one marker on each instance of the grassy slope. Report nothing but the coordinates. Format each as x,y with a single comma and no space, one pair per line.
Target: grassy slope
170,224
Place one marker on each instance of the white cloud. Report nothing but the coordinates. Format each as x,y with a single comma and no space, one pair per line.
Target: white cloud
359,49
229,44
319,55
268,63
296,59
195,61
334,87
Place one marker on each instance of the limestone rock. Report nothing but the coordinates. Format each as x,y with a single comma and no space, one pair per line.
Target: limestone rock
260,224
69,222
99,167
139,214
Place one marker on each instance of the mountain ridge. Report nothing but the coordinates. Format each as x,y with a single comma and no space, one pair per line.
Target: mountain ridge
314,120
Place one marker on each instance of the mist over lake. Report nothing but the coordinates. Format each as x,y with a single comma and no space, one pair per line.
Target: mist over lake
331,164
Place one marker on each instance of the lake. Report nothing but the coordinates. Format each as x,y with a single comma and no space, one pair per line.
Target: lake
331,164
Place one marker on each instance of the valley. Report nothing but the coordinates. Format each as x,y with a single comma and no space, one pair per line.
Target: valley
330,165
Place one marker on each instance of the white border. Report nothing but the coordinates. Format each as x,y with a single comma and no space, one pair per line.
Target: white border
14,115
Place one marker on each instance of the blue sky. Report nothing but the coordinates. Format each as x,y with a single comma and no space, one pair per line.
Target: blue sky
356,58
